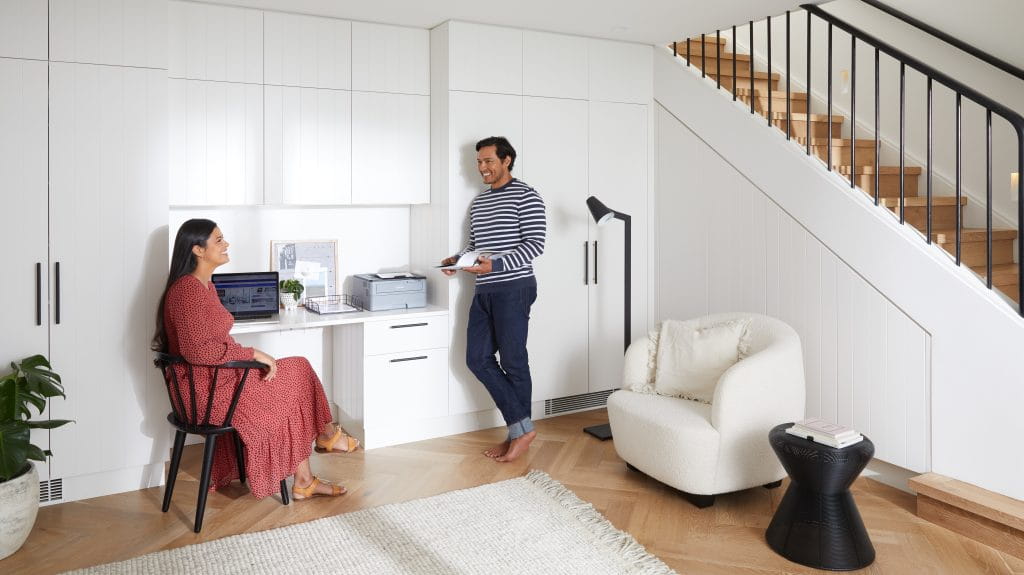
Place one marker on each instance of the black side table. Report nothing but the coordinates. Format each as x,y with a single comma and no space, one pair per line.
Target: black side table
817,524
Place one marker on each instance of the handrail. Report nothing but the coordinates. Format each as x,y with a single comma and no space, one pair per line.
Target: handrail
985,56
1008,114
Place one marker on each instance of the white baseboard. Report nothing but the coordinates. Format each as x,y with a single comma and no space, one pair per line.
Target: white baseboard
110,482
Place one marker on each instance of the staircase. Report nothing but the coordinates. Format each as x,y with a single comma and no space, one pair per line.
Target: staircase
710,55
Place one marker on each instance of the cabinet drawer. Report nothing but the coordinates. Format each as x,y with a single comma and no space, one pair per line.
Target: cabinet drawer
404,387
399,335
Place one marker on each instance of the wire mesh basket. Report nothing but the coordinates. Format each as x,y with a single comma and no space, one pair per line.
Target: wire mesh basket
325,304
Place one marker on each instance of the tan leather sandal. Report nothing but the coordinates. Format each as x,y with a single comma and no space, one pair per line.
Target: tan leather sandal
300,493
347,443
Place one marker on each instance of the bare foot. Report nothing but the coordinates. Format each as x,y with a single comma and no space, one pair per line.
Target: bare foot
519,446
498,450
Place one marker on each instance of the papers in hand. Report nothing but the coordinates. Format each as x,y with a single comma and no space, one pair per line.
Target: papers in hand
467,260
820,431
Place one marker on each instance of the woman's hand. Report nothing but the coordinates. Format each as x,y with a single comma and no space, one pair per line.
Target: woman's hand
269,361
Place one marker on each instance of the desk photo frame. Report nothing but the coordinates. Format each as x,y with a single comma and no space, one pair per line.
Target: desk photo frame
312,262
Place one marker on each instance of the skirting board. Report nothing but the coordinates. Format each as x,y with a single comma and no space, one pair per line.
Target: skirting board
990,518
80,487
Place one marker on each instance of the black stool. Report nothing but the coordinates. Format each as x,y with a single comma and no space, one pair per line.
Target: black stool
817,524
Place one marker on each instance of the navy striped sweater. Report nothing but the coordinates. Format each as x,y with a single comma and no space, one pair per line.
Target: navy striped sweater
511,220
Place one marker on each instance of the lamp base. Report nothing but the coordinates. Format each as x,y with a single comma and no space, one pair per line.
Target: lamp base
602,432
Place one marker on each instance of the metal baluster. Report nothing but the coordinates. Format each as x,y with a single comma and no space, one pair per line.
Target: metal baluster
828,144
688,40
959,174
734,54
718,59
675,50
809,99
878,117
853,108
789,74
1020,213
751,29
988,197
903,129
931,133
769,90
703,57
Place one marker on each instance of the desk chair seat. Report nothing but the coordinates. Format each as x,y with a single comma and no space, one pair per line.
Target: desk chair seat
186,421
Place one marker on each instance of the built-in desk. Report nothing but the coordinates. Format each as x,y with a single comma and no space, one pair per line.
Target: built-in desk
388,369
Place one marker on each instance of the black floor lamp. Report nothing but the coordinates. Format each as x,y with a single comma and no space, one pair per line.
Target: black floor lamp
602,215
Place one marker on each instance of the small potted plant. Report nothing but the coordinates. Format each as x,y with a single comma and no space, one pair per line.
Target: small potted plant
32,382
291,290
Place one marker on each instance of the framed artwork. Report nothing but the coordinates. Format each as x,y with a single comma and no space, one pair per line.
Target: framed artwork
312,262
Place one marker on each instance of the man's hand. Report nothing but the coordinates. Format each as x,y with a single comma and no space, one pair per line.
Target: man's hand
483,266
447,262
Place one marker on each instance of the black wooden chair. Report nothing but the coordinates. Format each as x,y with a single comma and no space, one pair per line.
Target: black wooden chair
187,421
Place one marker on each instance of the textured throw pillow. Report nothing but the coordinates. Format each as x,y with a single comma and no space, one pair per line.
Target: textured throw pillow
691,357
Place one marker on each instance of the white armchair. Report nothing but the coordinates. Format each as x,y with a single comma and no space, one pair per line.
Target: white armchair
704,450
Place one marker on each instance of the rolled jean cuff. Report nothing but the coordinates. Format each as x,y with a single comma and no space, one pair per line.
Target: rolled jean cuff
520,428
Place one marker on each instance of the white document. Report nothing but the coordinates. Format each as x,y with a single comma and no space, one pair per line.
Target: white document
468,260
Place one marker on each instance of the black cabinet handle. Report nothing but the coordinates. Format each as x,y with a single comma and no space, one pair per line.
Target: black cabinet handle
39,293
409,358
595,262
586,263
56,291
409,325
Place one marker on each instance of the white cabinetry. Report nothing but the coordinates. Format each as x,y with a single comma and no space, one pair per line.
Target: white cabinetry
555,65
113,32
307,51
390,59
621,72
484,58
23,25
395,379
390,148
308,146
210,42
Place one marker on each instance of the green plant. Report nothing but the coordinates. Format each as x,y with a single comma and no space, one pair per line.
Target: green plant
32,382
292,286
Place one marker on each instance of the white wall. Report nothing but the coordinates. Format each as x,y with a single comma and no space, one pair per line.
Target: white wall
975,384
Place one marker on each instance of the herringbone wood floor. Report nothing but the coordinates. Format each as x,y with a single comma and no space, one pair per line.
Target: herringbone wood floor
726,538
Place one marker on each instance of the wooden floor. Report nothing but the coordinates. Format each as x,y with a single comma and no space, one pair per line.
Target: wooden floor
726,538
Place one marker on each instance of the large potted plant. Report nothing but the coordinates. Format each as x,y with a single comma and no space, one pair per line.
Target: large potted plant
31,383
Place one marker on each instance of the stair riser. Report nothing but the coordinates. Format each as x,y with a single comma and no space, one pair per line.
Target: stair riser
841,156
943,217
741,67
973,253
710,51
819,129
759,83
778,104
888,184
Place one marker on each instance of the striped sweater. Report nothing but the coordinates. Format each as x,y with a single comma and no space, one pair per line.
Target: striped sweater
510,220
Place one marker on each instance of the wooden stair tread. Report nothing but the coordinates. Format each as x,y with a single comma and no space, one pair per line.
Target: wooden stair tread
972,235
695,58
919,202
774,94
882,170
836,142
745,75
999,508
707,40
1002,274
802,116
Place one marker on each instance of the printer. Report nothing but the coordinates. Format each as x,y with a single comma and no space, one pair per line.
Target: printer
377,292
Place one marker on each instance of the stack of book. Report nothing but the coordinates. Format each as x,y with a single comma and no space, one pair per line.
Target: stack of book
821,431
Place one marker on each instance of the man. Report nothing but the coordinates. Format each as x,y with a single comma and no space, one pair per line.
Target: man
507,219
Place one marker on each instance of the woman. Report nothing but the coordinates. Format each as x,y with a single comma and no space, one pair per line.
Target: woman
277,417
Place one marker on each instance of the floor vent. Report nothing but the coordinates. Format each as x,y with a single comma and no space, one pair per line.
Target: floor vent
51,490
576,402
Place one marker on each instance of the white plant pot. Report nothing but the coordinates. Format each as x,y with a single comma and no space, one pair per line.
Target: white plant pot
289,301
19,504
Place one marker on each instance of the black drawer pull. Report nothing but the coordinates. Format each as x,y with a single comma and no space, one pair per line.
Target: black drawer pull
56,289
409,358
409,325
39,293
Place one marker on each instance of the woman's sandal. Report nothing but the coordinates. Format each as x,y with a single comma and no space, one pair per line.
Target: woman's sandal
300,493
350,443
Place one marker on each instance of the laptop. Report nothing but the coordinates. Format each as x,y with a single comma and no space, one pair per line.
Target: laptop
250,297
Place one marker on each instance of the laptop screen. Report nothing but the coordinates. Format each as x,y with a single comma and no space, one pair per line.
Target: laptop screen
248,295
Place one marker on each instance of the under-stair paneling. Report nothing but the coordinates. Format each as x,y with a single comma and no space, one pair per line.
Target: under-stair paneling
726,246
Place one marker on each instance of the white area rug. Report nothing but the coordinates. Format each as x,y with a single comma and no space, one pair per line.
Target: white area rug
532,524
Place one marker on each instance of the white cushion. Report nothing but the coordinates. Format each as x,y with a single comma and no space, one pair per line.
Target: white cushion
692,357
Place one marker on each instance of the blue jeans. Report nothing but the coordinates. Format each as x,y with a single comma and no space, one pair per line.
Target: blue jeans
499,322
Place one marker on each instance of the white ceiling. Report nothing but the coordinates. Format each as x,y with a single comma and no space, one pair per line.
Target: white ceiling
646,21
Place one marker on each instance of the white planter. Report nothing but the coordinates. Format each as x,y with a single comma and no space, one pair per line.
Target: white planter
19,503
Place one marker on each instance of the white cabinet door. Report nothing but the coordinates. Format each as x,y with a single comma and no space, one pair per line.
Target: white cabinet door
472,117
108,207
390,148
209,42
403,387
23,29
621,72
555,65
309,146
307,51
23,201
618,177
390,59
216,137
113,32
555,138
485,58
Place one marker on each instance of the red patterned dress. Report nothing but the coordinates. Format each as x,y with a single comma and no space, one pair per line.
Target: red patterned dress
277,419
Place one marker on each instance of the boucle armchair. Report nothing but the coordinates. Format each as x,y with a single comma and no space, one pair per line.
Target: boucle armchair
708,449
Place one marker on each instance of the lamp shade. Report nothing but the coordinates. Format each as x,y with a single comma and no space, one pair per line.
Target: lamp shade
602,213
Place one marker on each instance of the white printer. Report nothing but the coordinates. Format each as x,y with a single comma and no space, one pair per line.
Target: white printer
377,292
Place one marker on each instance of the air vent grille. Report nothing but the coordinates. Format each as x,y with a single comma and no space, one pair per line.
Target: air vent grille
51,490
576,402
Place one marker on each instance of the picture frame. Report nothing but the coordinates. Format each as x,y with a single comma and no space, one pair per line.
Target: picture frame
312,262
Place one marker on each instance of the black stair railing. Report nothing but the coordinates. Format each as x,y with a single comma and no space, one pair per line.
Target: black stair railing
932,75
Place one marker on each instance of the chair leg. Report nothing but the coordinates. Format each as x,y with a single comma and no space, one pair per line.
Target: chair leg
773,484
240,455
172,473
284,492
700,501
204,480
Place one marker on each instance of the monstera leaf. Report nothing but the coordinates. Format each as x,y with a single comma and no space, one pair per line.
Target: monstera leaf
31,383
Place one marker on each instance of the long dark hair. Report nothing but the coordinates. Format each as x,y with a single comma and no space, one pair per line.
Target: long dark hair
194,232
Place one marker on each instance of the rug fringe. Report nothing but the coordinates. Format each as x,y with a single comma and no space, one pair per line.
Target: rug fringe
635,553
